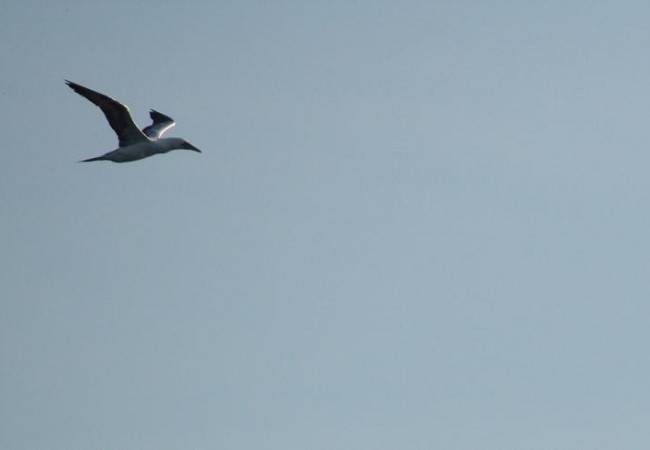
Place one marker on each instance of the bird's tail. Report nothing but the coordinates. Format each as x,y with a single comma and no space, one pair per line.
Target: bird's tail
98,158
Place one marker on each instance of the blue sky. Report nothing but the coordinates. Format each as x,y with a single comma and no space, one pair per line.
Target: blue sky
413,225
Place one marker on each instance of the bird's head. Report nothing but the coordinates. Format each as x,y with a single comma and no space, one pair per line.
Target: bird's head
187,146
175,143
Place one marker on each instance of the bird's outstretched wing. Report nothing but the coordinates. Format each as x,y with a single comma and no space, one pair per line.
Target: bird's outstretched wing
161,123
117,114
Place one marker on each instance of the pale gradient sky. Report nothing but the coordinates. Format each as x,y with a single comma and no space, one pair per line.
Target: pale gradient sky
414,225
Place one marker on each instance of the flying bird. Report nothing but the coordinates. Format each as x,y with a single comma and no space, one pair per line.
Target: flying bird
134,144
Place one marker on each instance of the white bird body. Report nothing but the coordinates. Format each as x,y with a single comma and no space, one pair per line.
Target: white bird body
141,150
134,144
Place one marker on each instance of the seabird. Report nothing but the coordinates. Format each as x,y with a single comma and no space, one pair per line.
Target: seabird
134,144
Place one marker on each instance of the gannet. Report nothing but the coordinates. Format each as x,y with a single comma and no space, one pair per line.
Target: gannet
134,144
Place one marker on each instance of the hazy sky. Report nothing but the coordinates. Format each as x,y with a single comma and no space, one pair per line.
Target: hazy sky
414,225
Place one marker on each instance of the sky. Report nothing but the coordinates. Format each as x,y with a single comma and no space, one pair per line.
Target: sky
414,225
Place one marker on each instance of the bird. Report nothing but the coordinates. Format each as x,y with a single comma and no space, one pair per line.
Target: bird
133,143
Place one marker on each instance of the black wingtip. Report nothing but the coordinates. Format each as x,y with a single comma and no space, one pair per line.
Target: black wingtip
159,117
74,86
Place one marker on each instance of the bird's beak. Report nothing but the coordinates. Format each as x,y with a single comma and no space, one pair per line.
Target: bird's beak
189,146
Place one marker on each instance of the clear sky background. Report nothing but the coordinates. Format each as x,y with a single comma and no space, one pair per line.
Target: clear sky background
414,225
